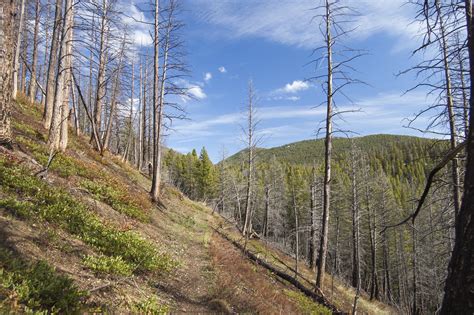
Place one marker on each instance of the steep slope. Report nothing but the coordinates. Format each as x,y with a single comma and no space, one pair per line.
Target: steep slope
83,236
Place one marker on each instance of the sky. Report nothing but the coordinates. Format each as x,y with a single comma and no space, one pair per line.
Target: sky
271,42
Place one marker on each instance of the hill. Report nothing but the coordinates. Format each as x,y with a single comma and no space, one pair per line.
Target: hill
82,236
307,152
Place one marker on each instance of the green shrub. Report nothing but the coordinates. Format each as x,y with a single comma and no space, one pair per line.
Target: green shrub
21,209
306,305
38,286
56,206
108,265
150,306
115,197
62,164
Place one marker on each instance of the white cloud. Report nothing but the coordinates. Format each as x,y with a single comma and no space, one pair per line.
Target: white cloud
290,22
207,76
197,92
222,69
295,87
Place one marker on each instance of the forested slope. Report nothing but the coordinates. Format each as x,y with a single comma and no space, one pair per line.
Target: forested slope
82,235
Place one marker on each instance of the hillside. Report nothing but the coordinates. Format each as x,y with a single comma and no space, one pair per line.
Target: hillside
307,152
83,236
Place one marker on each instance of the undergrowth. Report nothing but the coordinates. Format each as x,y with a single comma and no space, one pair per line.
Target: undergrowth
306,305
150,306
108,265
30,198
35,286
116,197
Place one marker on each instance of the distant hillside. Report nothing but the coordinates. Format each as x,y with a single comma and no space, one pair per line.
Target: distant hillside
405,160
311,151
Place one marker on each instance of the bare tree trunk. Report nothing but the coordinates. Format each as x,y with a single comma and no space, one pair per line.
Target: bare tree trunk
415,271
68,31
52,67
101,82
32,86
459,288
267,206
156,178
7,56
113,101
312,241
16,62
141,124
250,147
297,240
327,157
130,121
55,128
450,110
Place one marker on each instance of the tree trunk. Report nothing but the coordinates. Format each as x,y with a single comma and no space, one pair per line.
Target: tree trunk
156,178
327,158
101,81
16,62
250,146
69,27
32,87
7,25
52,67
459,288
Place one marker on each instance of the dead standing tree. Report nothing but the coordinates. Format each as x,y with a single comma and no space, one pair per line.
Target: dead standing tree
335,24
7,21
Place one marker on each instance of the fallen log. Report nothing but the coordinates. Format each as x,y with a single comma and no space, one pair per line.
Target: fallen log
309,293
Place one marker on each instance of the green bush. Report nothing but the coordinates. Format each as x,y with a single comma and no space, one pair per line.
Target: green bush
108,265
306,305
56,206
38,286
115,197
150,306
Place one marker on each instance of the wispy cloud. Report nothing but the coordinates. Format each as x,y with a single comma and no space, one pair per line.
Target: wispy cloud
289,22
222,69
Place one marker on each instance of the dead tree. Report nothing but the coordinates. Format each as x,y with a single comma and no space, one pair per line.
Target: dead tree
52,66
249,132
459,292
34,63
334,19
157,110
7,38
16,64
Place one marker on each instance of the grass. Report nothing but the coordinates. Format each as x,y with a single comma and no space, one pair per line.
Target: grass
108,265
306,305
149,306
116,197
36,200
36,286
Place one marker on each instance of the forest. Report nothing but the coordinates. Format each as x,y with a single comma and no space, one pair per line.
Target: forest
86,148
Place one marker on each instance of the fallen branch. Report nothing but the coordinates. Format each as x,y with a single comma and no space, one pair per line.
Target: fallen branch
448,157
308,292
94,127
52,155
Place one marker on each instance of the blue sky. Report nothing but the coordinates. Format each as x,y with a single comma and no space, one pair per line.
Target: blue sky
270,42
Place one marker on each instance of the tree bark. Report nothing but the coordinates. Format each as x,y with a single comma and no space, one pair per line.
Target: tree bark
459,288
327,157
7,25
16,64
52,67
32,86
156,176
